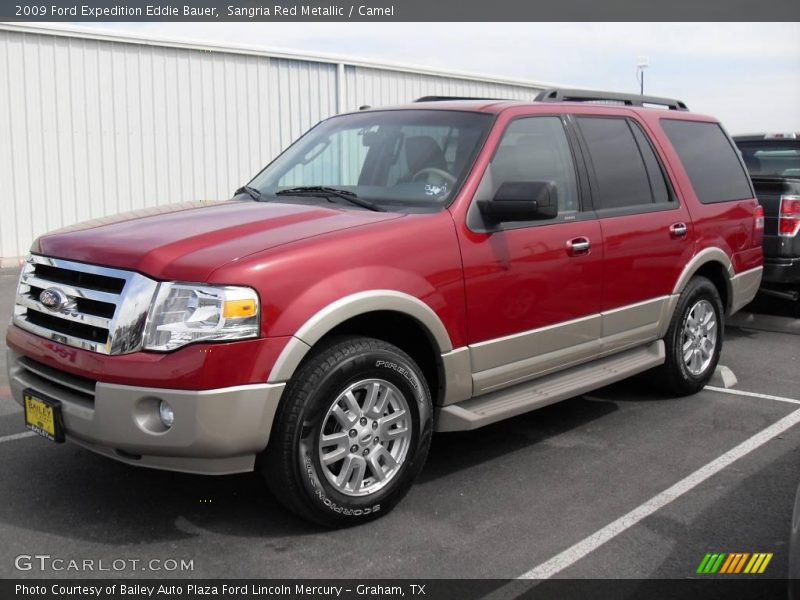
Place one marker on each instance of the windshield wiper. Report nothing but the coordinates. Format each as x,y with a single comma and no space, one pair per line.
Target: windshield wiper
252,192
329,192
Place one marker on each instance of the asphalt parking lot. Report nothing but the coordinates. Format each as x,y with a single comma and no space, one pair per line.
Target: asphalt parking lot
530,496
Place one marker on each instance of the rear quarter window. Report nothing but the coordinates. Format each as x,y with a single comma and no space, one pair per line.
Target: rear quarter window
710,160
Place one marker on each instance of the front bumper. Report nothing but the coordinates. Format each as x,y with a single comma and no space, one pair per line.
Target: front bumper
215,432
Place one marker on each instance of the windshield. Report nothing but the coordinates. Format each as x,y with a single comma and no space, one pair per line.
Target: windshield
765,159
404,158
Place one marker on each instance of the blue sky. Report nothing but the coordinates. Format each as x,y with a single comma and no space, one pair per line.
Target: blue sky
746,74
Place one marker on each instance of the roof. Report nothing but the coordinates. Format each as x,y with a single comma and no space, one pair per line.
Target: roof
561,96
498,106
478,105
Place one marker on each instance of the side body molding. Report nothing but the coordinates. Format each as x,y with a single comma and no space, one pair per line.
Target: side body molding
741,287
351,306
703,257
463,369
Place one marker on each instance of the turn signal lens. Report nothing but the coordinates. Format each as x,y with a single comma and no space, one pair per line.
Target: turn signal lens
239,308
758,215
758,226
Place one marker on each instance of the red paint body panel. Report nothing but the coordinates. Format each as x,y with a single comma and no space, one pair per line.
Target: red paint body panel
194,367
641,259
415,254
189,241
524,279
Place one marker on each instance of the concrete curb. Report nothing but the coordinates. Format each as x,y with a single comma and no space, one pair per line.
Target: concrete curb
723,377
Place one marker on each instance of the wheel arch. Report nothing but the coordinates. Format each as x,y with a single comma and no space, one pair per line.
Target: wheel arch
715,265
395,317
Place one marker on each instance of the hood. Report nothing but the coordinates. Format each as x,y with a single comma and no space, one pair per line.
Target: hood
189,241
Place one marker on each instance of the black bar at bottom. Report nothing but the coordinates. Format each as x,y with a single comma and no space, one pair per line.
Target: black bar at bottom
706,588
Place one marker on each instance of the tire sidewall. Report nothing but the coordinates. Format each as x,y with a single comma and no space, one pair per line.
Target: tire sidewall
700,289
327,501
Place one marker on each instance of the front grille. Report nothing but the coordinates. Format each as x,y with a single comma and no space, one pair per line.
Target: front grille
92,307
92,281
55,323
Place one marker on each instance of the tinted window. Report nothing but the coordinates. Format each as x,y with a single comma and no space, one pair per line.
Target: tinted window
710,160
534,149
658,182
619,168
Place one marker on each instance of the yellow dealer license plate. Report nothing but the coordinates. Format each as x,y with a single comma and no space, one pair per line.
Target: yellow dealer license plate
43,416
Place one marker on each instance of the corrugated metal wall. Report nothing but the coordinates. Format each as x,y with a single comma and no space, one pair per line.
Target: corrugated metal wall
92,127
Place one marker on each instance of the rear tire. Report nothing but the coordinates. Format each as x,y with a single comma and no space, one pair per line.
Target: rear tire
694,338
352,433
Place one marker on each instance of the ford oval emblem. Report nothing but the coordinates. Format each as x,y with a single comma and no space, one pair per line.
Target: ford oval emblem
53,298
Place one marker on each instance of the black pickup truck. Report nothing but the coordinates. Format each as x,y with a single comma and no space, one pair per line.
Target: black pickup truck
773,161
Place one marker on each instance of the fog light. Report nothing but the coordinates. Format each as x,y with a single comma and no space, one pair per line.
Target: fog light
166,414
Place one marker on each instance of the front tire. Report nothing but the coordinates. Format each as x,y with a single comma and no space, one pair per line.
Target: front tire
352,433
694,338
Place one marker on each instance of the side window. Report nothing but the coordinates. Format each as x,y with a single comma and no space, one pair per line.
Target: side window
710,160
534,149
619,167
658,181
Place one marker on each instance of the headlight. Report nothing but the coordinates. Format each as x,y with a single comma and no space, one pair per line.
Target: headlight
184,313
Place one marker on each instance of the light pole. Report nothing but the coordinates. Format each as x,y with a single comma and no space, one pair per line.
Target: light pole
640,67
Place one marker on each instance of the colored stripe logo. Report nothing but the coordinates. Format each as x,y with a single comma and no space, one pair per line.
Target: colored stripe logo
735,562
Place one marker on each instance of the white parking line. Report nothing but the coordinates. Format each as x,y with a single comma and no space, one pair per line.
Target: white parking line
751,394
16,436
589,544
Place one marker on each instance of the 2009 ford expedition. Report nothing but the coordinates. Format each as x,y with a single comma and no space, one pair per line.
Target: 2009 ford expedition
432,267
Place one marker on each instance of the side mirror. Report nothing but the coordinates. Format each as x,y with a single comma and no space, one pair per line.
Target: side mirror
521,201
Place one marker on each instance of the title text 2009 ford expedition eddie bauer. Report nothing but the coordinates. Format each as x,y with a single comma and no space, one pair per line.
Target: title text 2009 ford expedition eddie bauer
432,267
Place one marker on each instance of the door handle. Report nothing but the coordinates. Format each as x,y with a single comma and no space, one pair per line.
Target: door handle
579,246
678,230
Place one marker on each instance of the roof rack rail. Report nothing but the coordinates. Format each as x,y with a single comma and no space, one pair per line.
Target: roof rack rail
446,98
564,95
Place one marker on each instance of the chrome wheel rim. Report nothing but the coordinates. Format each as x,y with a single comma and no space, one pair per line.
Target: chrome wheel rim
699,337
365,437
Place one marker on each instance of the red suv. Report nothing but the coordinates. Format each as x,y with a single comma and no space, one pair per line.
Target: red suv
432,267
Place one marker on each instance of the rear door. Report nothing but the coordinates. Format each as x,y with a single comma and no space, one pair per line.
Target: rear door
532,288
647,233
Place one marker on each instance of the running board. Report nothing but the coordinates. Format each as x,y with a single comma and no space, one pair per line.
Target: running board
524,397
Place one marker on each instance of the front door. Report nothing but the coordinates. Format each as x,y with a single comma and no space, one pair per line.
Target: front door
533,289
